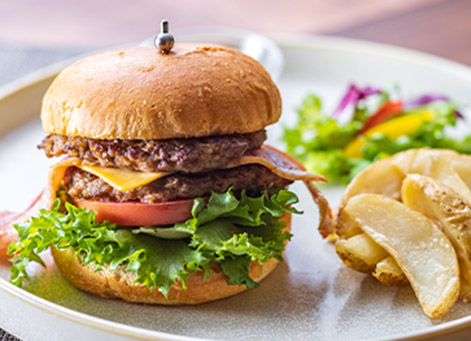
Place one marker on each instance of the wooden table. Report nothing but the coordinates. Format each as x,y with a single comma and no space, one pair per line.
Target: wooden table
50,30
442,28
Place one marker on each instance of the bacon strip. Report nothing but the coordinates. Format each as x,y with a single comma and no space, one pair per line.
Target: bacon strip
325,213
277,162
288,168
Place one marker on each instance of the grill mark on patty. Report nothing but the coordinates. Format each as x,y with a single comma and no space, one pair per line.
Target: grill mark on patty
193,155
82,185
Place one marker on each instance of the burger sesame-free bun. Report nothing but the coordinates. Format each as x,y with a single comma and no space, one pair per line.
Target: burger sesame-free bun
119,283
140,93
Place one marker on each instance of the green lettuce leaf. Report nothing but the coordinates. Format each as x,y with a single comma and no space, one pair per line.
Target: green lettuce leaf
317,139
315,130
228,230
237,269
157,262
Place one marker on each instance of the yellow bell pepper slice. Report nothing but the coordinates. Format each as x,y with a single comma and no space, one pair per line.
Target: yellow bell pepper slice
394,128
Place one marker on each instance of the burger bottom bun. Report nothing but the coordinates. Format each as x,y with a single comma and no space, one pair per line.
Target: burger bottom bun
119,283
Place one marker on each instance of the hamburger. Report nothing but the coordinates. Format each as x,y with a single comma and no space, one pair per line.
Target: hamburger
165,193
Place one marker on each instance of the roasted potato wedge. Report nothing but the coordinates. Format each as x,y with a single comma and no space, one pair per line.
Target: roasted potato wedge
385,176
435,163
449,211
420,248
444,173
360,252
420,161
462,166
379,177
389,273
346,227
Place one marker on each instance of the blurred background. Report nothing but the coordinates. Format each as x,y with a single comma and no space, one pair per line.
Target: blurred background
37,33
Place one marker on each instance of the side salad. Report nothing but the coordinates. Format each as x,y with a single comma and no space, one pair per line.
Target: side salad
369,124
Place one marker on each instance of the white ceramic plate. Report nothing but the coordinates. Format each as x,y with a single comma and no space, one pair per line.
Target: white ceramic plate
309,296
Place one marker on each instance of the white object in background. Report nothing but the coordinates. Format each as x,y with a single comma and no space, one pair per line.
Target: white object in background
255,45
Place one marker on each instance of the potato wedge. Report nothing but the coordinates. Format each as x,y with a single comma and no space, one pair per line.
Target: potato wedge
420,248
360,252
370,180
450,212
420,161
346,227
462,166
444,173
385,176
389,273
379,177
435,163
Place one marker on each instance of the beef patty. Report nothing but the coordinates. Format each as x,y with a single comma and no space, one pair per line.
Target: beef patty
193,155
82,185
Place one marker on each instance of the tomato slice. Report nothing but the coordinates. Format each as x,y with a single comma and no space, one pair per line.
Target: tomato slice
140,214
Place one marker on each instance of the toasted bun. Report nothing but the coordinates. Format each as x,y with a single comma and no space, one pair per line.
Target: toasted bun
142,94
119,284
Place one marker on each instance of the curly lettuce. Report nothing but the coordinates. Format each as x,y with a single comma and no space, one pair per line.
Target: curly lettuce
225,229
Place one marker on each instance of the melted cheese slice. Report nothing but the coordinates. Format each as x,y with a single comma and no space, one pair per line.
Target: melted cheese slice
123,179
120,179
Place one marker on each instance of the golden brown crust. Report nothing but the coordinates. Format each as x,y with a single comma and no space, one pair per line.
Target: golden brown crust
118,284
142,94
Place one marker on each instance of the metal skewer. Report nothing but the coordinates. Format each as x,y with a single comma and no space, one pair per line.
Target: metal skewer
164,41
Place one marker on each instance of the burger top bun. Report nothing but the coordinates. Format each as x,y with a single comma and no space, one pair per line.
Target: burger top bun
140,93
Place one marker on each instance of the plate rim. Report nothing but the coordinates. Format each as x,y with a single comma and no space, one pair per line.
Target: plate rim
285,41
374,48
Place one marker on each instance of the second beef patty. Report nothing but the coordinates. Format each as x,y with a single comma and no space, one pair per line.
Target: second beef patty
85,186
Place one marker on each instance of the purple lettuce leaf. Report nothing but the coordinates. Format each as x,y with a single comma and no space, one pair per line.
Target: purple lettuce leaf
353,95
427,99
